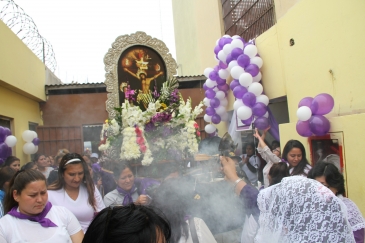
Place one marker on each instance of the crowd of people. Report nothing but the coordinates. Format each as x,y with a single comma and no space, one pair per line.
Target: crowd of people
75,198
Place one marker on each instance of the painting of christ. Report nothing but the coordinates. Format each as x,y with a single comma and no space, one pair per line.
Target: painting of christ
141,69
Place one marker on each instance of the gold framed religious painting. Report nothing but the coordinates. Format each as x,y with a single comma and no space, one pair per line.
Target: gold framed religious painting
135,62
140,69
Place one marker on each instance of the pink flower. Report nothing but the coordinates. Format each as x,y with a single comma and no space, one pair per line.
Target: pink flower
140,140
196,125
138,132
143,148
197,133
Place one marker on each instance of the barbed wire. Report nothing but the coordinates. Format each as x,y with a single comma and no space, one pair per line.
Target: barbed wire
25,28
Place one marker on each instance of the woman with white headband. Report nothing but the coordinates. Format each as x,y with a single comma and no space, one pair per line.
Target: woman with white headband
75,190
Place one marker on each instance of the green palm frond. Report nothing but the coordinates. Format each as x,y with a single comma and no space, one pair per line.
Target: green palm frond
167,88
145,99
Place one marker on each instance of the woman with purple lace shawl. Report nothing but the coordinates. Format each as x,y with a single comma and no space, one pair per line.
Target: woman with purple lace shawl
129,189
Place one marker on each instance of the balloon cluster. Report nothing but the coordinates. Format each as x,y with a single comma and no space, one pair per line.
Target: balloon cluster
32,142
240,60
7,141
310,115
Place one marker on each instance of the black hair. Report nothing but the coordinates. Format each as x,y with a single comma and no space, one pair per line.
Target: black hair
299,169
128,224
118,169
9,160
277,172
19,181
28,165
273,144
36,157
332,175
174,197
88,181
6,173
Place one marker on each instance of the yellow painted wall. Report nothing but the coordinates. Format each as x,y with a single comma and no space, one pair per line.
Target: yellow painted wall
22,80
328,56
22,110
20,69
198,24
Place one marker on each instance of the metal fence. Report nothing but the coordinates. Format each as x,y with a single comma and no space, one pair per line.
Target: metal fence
248,18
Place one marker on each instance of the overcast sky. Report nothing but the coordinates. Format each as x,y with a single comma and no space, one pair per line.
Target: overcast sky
82,31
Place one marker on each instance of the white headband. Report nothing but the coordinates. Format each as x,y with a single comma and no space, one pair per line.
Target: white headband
72,160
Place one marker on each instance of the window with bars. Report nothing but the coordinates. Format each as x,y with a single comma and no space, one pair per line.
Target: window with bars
248,18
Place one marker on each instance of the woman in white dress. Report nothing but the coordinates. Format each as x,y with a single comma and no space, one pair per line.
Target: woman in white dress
75,190
30,217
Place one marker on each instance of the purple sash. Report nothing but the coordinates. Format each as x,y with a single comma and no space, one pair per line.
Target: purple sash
127,194
40,218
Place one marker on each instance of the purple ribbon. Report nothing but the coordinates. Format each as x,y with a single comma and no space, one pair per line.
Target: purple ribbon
40,218
127,194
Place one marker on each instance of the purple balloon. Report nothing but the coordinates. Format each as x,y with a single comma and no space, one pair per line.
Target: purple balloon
2,134
205,87
236,52
252,69
303,128
319,125
259,109
239,91
223,87
217,49
221,42
261,123
3,150
36,141
307,101
243,60
322,104
7,131
216,119
220,81
210,94
227,40
249,99
234,84
247,121
229,58
210,111
216,68
213,75
222,65
214,102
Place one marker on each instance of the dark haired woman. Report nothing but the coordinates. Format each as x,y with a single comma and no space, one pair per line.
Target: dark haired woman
30,166
128,224
294,154
13,162
31,218
173,197
129,189
329,175
75,190
6,173
42,164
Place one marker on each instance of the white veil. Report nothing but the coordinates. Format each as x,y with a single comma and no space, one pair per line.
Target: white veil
301,210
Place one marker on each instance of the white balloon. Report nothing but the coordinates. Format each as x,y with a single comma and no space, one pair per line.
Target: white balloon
223,73
227,48
222,56
257,61
224,102
236,72
231,65
210,83
237,104
224,117
206,101
255,88
29,148
207,71
35,149
245,79
209,128
216,89
35,135
257,78
244,112
207,118
263,99
250,50
28,136
220,95
217,42
10,141
266,114
304,113
220,110
227,36
236,37
236,43
215,58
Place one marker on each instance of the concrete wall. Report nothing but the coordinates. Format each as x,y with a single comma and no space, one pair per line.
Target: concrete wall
22,79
